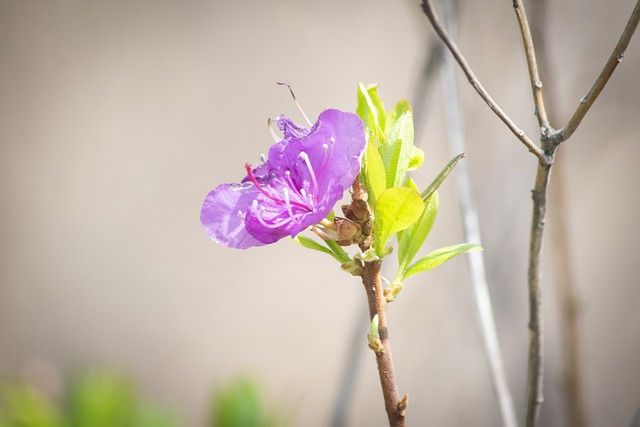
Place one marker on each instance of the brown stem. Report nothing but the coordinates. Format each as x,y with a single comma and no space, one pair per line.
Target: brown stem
532,65
564,280
536,353
377,305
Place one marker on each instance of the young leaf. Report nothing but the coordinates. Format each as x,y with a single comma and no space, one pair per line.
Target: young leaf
396,209
398,110
332,248
312,244
411,240
373,173
441,176
370,109
397,148
416,159
339,253
438,257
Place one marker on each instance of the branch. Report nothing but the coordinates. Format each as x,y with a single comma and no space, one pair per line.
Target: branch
473,80
377,306
564,278
469,213
530,53
534,387
587,101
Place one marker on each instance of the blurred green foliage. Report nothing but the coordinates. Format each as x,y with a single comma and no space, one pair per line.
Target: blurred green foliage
108,399
241,405
97,399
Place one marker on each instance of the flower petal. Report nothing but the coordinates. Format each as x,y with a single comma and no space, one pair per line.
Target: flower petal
347,131
290,129
223,213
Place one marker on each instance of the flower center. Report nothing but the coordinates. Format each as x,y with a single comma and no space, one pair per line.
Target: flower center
283,202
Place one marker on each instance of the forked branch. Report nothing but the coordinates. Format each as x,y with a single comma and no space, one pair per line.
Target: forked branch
473,80
587,101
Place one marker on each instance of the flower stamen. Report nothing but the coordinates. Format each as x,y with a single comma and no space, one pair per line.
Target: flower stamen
287,202
259,212
274,135
255,182
305,158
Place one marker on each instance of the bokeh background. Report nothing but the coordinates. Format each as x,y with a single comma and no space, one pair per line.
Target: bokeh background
117,117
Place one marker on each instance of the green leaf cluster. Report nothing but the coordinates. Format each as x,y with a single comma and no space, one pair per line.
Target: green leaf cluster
398,206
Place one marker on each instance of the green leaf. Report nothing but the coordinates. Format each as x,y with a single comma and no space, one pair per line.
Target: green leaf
416,159
409,183
411,240
396,209
370,109
373,173
397,148
339,253
441,176
312,244
398,110
438,257
332,248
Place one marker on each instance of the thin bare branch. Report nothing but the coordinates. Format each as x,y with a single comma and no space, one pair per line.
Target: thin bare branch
536,348
471,226
473,80
536,83
560,245
587,101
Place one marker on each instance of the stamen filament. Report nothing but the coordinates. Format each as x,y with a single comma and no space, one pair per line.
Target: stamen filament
305,158
285,193
259,213
274,135
255,182
306,119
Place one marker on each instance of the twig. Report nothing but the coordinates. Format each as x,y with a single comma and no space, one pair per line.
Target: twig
455,126
377,306
536,348
530,53
565,283
587,101
473,80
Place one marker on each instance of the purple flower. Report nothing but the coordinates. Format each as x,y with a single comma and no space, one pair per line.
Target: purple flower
305,175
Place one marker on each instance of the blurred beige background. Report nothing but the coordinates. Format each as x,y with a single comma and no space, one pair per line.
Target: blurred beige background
117,117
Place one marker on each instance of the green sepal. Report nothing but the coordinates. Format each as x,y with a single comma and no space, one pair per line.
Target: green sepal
396,209
411,240
438,257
